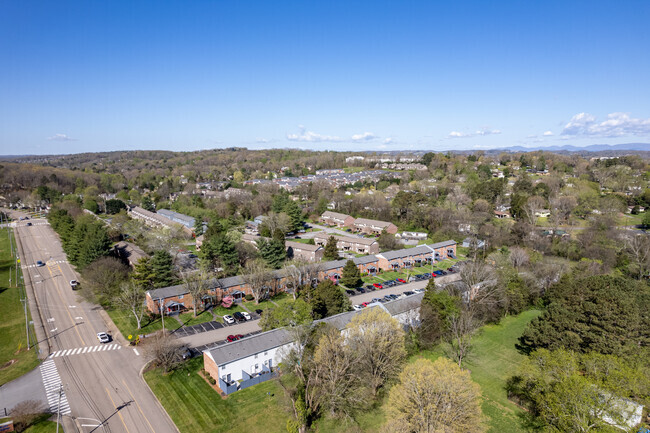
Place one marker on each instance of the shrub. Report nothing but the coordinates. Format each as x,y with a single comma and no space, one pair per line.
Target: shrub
249,297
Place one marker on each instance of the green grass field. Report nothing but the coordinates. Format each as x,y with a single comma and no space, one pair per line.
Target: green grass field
188,319
492,361
127,325
15,359
195,407
41,425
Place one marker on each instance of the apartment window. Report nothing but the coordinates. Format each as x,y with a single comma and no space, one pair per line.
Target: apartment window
266,353
257,366
256,355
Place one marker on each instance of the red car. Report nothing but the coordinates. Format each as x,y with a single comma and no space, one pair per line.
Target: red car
401,280
239,336
231,338
378,286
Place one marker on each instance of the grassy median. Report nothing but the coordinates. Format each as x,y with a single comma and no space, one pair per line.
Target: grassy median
15,359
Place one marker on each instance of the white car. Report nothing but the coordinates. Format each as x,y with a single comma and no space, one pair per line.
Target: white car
246,315
418,290
356,307
103,337
229,319
74,283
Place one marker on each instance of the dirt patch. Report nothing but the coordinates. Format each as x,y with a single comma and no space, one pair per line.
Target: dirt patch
8,364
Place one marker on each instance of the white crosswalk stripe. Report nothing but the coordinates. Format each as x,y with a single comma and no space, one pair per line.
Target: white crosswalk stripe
52,382
85,349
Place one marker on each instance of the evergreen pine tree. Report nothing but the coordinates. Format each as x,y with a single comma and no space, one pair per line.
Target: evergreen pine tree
198,226
331,252
351,275
162,267
295,214
142,274
148,204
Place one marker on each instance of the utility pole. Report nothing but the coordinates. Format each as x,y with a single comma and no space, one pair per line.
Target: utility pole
162,316
58,408
24,301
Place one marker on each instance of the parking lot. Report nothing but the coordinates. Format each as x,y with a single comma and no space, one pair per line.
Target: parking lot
401,288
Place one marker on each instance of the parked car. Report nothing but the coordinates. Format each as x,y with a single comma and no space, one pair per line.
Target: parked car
369,288
231,338
228,319
378,286
350,292
356,307
28,224
427,275
103,337
360,290
418,290
401,280
409,293
74,284
239,336
39,263
259,311
375,300
393,296
239,316
246,315
387,298
438,273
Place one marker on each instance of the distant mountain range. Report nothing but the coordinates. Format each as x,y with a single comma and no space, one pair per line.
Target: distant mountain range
570,148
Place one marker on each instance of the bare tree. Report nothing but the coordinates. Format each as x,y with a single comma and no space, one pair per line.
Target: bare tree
533,205
196,283
638,249
277,222
462,327
259,279
518,257
377,341
333,375
25,413
131,298
163,350
300,273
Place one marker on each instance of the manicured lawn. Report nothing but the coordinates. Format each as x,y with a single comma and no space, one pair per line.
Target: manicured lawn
195,407
188,319
13,341
221,311
127,325
42,425
492,361
280,299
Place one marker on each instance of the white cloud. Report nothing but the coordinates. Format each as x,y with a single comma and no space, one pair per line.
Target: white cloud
262,140
311,137
366,136
480,132
548,134
616,125
388,140
61,137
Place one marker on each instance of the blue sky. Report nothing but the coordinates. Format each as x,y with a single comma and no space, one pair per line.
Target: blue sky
87,75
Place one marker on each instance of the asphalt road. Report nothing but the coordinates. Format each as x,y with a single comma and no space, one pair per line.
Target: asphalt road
102,386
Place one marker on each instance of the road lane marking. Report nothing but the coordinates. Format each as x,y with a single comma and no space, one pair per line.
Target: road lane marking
136,351
138,404
68,311
118,411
